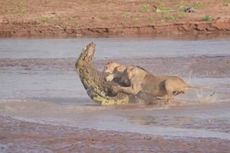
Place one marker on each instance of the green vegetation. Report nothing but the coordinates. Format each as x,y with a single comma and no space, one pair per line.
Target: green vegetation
170,17
44,19
199,5
207,18
181,15
126,15
145,8
164,9
173,16
104,17
19,8
226,2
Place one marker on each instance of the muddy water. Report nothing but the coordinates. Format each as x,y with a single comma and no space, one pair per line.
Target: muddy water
39,84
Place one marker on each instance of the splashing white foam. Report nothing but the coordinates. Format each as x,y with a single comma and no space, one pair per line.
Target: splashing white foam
204,97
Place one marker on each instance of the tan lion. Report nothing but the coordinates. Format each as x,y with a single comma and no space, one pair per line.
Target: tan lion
129,77
137,81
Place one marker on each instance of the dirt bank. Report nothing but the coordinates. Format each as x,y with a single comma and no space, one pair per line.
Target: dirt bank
67,18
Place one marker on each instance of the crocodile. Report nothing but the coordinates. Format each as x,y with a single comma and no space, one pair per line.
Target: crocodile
98,89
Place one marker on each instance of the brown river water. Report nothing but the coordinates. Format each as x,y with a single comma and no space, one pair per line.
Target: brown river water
39,85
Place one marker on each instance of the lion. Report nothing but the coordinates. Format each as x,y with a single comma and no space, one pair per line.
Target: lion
115,72
164,87
128,77
137,81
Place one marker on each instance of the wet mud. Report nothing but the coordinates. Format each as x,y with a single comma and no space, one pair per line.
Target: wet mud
18,136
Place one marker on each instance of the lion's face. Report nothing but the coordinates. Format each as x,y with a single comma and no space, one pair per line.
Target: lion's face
113,67
109,67
120,68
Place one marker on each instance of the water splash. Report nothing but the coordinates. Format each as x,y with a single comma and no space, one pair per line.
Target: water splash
204,96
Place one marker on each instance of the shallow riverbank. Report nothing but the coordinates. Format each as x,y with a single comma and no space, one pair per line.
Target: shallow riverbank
173,30
130,18
18,136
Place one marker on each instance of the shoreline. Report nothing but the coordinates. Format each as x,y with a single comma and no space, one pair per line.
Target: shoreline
130,18
197,29
20,136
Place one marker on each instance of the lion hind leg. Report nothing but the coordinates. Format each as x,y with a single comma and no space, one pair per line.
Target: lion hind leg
169,91
169,99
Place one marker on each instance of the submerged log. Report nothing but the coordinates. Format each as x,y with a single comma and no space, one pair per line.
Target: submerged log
94,82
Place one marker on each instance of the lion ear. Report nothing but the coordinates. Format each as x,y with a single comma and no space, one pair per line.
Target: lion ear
109,62
131,69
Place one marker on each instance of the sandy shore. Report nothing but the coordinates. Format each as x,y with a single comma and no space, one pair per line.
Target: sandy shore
19,137
67,18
